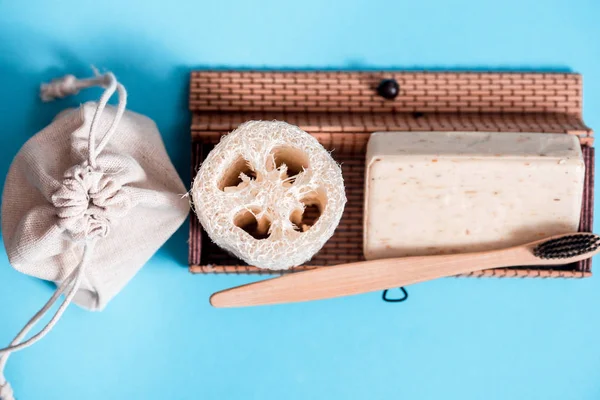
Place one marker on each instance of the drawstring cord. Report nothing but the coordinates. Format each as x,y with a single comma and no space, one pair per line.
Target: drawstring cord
73,281
93,149
63,87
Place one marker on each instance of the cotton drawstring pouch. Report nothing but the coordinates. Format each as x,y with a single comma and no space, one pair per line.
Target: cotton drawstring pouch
87,201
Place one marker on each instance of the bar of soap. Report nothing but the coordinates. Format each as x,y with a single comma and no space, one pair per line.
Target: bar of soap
442,193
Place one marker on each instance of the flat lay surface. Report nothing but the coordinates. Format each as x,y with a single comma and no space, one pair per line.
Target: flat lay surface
159,338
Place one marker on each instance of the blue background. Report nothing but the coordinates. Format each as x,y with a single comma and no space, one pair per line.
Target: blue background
159,339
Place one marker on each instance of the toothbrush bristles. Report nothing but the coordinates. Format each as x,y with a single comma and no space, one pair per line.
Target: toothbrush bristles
567,246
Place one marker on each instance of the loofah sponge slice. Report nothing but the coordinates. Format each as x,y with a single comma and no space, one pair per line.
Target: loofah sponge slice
270,194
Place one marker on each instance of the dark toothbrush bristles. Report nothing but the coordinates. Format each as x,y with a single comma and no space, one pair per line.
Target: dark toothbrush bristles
567,246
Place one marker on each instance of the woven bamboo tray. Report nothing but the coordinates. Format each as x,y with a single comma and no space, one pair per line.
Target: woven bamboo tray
341,109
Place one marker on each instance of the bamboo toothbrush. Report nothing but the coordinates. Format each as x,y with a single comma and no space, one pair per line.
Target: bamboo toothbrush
368,276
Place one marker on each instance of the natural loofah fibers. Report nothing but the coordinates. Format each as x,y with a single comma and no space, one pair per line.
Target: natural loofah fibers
270,194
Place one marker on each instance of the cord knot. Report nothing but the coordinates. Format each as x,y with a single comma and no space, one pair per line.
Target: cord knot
6,392
59,88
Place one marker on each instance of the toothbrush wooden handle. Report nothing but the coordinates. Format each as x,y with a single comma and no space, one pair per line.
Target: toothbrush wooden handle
368,276
362,277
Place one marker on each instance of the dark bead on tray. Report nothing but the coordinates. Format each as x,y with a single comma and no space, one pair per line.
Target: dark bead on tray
388,89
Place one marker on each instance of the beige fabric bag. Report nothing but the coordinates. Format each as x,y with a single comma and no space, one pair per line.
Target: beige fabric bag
87,201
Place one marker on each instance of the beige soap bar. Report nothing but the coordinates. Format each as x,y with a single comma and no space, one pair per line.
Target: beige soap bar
440,193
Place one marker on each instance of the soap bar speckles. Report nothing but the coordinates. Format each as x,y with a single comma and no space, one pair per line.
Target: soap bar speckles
442,193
